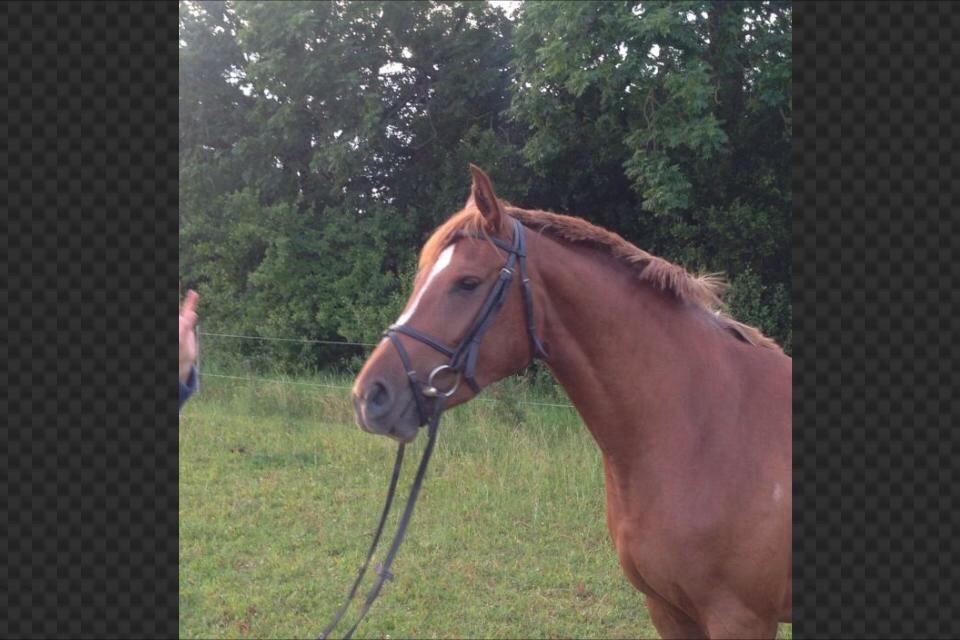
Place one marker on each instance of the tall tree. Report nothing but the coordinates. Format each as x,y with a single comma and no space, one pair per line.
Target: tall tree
357,123
672,123
321,142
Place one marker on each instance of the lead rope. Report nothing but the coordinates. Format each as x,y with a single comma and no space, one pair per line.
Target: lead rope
391,491
462,359
383,571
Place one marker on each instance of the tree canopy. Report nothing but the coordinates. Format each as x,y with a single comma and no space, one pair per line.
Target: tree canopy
320,143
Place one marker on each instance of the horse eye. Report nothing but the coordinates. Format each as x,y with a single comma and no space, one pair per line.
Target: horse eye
468,284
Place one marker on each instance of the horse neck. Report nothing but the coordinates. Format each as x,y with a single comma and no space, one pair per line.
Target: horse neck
623,352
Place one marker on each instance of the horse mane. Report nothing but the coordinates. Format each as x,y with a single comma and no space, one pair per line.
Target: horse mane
703,290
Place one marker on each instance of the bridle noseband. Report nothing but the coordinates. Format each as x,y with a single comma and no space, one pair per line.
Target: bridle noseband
463,362
463,358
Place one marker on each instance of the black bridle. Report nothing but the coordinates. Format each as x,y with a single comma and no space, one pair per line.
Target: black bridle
463,363
463,358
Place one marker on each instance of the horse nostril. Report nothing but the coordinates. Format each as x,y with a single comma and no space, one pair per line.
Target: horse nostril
379,394
378,398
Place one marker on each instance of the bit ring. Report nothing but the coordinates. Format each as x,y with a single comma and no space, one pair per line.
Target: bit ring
431,390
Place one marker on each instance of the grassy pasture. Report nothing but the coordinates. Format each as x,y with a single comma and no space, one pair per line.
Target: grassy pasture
279,495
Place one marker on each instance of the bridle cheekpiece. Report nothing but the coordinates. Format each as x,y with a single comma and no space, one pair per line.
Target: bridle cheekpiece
463,357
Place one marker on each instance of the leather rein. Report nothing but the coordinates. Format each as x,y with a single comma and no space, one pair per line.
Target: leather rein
462,363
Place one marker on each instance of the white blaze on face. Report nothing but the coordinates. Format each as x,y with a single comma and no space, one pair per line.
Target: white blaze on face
777,492
442,262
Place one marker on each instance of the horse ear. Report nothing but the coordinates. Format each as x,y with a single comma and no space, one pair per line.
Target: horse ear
486,200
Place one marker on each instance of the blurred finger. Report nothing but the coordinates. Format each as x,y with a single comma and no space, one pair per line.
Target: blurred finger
189,321
190,303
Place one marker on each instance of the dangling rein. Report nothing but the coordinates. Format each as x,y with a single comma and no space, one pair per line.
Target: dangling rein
463,360
383,571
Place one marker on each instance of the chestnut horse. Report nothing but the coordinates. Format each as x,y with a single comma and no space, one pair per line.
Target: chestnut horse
690,408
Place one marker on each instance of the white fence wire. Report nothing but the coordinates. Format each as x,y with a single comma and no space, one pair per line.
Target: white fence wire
269,339
329,386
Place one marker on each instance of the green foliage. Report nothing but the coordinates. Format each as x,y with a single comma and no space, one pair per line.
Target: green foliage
321,142
684,108
270,552
768,305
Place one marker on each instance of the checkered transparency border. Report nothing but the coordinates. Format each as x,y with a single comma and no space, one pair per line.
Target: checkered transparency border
88,546
875,195
88,530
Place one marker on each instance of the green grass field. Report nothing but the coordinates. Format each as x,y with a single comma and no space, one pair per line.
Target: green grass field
280,491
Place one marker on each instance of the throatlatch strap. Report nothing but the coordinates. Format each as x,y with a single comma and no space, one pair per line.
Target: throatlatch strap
536,347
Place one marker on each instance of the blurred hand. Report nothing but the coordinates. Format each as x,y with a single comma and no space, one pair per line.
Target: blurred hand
188,337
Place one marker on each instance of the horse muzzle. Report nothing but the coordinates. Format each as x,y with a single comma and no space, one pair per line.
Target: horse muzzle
381,410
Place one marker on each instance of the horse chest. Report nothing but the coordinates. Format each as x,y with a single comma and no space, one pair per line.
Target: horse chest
649,542
639,550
